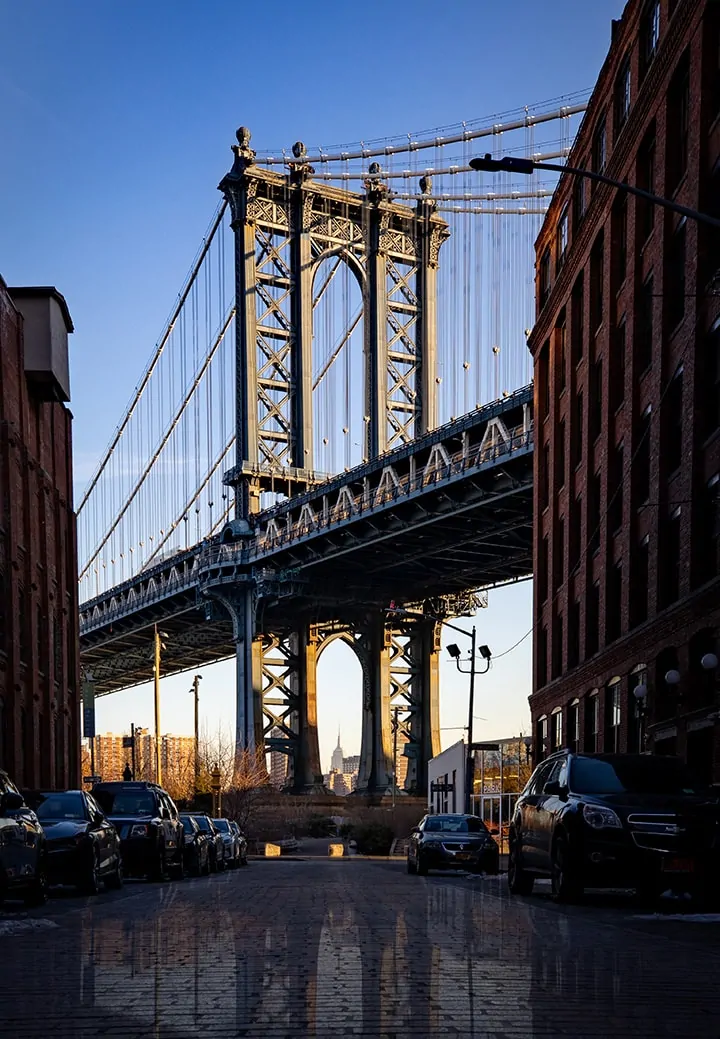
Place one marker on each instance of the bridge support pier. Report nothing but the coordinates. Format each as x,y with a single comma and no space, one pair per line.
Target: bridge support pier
400,685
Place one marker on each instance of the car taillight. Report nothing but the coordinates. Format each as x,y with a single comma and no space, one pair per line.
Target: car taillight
139,830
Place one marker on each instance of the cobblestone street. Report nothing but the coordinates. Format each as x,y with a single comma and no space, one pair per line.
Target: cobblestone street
347,947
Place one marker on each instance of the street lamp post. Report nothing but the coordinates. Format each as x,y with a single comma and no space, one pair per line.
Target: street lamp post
196,691
516,164
158,645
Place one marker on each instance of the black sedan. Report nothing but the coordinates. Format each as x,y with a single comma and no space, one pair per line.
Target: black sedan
452,842
23,849
215,842
83,847
196,848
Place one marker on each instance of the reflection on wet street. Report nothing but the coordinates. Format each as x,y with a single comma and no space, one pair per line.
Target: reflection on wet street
334,948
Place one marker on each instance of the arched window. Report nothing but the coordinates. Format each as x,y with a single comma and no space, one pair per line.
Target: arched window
556,729
613,715
592,722
573,725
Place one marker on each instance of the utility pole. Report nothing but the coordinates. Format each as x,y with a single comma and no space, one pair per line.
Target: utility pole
196,691
470,776
132,750
158,761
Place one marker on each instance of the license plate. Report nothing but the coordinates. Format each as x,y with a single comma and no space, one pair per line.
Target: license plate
462,856
678,866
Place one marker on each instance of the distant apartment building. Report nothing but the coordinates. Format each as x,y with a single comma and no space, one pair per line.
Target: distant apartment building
114,753
39,649
279,763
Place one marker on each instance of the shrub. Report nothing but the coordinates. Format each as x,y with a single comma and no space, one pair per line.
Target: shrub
373,838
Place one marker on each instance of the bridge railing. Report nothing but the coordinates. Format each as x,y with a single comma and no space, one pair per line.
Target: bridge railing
397,487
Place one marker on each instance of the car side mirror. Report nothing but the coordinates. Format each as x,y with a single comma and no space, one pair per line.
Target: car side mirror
552,788
415,832
11,802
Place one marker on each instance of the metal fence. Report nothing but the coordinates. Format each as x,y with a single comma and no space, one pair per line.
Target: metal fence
496,812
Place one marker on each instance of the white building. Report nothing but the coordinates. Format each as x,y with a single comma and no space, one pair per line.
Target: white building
446,780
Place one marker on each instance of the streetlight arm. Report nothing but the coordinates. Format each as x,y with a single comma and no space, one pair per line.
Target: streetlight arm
513,164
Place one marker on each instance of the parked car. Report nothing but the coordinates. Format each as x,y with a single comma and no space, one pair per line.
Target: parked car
231,842
611,820
243,842
151,834
23,849
215,842
83,846
452,842
196,847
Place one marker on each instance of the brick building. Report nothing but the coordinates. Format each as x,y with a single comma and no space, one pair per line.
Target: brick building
626,351
39,661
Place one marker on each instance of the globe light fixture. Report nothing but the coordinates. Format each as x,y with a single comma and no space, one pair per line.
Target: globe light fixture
672,677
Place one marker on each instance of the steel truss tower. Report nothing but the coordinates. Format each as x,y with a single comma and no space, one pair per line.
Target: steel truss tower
285,226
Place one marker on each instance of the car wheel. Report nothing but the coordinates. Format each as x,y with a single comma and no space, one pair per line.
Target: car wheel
91,883
410,865
213,864
159,868
519,881
564,877
421,866
115,880
37,894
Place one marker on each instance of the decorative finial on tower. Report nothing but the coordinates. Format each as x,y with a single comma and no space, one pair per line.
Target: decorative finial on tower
300,169
426,185
376,189
244,155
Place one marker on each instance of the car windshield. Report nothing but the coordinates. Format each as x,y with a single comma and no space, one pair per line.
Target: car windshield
61,806
454,824
126,802
204,823
633,775
187,823
222,825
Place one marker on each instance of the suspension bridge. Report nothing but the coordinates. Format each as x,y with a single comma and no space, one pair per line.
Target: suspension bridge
336,415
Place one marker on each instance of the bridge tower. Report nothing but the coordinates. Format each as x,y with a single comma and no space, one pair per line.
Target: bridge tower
285,226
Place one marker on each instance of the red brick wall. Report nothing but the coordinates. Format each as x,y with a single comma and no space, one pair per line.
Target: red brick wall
612,534
39,670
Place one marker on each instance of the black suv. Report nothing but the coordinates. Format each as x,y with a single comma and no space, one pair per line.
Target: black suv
615,820
23,851
151,834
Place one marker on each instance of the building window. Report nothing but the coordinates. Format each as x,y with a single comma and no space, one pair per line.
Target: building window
579,201
669,559
639,578
672,424
574,634
578,432
641,460
596,284
636,727
544,277
592,620
678,124
613,605
573,726
23,641
542,657
561,239
577,318
556,729
558,553
649,35
707,524
711,382
561,351
592,719
615,489
711,60
544,379
560,455
622,96
593,530
644,328
675,278
541,739
557,645
599,151
596,401
612,717
575,533
645,209
619,240
542,580
617,367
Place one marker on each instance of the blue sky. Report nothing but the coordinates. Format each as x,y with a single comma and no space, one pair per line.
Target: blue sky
116,121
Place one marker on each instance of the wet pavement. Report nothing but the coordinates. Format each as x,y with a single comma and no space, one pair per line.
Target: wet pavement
352,947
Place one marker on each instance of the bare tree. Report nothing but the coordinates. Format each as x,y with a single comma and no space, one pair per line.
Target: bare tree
248,788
